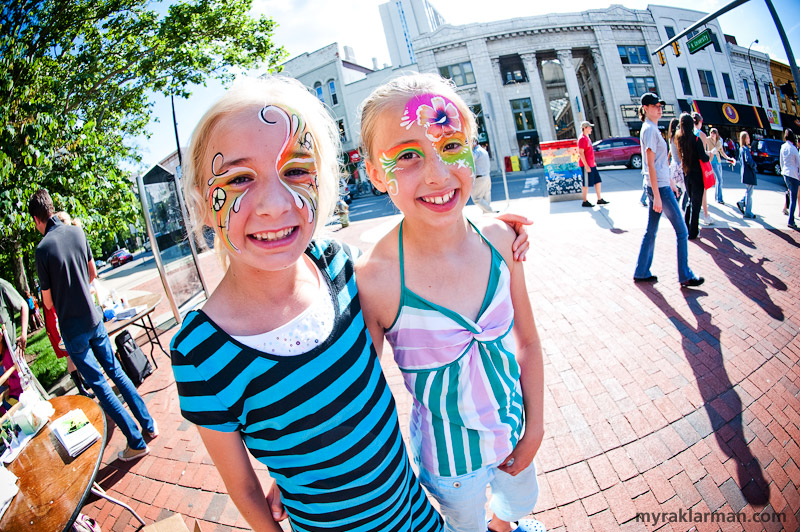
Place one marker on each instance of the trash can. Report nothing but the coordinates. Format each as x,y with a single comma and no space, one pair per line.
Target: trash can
564,175
514,163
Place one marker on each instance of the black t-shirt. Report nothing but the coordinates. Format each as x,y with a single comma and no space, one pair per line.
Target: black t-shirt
62,262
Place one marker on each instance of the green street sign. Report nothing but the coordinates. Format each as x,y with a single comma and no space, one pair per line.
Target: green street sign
699,41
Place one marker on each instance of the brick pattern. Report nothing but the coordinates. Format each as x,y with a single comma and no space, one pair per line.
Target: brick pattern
657,399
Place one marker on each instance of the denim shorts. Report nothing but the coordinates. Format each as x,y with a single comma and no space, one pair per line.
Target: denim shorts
462,499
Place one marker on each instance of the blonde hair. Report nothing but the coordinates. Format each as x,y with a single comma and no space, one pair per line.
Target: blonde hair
743,135
65,218
252,93
402,89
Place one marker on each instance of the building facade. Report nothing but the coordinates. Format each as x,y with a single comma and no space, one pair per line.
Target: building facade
534,79
788,107
403,21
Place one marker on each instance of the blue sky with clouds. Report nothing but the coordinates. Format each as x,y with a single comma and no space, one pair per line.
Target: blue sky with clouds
307,25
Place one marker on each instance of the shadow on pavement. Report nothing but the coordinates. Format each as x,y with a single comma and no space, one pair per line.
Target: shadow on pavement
746,274
721,402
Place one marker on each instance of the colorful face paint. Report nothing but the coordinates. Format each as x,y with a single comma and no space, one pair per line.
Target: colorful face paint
389,163
226,197
455,150
438,115
296,166
443,126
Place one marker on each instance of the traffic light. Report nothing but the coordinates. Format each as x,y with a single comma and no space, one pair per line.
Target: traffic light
661,58
676,49
787,90
771,88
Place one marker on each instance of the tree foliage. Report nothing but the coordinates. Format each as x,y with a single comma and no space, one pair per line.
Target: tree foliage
75,76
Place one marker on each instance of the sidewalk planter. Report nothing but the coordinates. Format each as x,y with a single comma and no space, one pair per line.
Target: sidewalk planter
564,175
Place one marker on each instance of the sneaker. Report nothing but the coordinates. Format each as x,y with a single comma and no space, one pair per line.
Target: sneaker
786,211
721,202
696,281
651,279
133,454
792,225
152,434
601,201
587,204
751,217
644,204
741,206
708,220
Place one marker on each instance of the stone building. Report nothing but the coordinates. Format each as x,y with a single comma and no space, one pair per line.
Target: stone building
788,107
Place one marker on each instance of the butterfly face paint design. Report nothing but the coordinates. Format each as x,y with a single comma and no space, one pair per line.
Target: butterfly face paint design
443,127
389,160
296,166
225,195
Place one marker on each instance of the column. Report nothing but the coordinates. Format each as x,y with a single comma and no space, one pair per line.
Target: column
541,107
613,112
573,89
500,111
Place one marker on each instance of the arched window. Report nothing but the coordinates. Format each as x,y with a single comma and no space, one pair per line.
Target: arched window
332,89
318,91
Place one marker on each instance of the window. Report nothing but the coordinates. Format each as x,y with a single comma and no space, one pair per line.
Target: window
461,74
332,89
726,79
342,130
523,114
707,83
747,91
512,70
318,91
670,31
633,55
640,85
687,87
766,93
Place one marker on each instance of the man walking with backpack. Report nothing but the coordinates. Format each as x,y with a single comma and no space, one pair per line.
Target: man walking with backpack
66,267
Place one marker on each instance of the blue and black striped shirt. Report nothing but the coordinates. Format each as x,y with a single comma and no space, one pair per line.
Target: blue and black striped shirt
324,422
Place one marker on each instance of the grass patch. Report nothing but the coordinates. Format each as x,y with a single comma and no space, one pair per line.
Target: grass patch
46,366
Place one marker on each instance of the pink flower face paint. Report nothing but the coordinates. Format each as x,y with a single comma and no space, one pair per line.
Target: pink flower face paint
389,161
443,125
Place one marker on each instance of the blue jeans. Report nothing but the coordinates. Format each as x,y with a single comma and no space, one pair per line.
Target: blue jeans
717,167
91,350
669,207
747,200
792,184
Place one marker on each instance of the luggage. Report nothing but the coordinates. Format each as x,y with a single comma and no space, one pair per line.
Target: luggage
132,358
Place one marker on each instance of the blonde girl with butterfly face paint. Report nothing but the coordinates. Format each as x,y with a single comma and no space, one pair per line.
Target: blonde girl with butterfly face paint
447,295
278,363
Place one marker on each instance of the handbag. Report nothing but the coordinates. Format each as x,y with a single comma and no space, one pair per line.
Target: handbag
708,174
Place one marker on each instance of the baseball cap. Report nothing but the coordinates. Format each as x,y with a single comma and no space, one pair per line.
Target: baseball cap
650,98
586,124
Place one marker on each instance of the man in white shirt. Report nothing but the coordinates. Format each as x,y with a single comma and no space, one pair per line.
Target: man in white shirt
482,187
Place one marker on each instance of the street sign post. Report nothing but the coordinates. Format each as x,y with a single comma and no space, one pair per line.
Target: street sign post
699,41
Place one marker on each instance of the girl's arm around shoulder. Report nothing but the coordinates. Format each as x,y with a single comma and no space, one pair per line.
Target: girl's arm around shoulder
378,281
232,461
528,355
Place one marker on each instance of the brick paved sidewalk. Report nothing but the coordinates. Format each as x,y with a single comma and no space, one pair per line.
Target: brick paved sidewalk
657,399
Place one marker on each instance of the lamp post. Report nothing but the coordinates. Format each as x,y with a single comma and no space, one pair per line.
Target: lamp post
755,81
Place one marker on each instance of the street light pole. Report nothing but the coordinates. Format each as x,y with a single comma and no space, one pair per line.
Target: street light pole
755,81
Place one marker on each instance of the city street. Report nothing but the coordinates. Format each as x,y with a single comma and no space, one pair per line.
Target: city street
665,402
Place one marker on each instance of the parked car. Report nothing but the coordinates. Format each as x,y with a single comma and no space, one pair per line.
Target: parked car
99,263
618,150
120,257
767,154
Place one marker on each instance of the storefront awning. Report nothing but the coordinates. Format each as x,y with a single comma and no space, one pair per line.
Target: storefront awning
727,114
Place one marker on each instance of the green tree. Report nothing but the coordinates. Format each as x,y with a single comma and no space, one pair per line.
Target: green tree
75,76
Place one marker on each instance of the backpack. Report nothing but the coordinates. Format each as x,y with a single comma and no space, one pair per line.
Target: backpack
132,358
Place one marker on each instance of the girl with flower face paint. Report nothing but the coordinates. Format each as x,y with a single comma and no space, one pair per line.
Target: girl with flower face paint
279,363
447,295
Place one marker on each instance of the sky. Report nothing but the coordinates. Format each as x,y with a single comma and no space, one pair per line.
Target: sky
308,25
